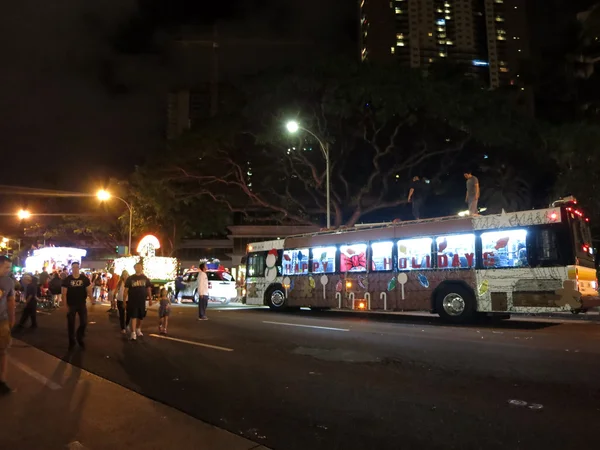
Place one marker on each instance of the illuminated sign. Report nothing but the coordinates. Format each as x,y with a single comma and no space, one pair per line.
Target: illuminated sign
148,245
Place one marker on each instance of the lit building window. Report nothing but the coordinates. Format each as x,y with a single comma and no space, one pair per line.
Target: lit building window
501,38
399,35
443,54
400,44
392,50
441,42
430,60
499,19
440,22
448,17
504,69
439,10
441,29
399,11
449,43
430,34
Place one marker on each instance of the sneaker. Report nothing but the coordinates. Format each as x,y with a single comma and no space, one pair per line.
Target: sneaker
139,332
132,337
4,389
128,329
123,331
203,318
164,332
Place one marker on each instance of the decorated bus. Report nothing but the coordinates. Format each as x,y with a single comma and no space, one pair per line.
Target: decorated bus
523,262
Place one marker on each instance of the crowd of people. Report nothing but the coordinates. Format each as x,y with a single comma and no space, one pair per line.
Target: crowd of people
71,288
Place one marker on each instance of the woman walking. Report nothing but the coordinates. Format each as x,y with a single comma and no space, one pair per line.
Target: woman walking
123,320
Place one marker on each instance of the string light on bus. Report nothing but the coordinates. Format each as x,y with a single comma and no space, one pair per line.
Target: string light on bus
361,305
348,284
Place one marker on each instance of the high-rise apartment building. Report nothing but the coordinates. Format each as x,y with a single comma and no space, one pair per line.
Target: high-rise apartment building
489,35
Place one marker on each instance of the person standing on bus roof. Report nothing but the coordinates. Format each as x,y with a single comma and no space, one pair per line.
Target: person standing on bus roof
416,196
472,196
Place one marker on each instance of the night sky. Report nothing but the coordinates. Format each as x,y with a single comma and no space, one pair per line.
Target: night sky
83,84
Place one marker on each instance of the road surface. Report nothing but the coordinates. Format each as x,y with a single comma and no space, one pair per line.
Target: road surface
333,380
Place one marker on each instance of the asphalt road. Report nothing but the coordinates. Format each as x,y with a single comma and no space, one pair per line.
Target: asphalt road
333,380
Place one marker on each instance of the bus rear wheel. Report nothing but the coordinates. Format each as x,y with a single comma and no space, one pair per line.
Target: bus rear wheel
276,300
455,303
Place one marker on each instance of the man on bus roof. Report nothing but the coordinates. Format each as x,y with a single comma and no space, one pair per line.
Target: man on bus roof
472,196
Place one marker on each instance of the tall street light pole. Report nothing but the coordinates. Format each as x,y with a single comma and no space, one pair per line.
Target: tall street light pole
293,127
104,196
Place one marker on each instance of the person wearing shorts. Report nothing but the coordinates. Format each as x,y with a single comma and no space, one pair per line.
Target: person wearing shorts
138,288
164,311
7,319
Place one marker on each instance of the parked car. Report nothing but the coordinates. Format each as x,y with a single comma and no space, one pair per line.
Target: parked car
221,286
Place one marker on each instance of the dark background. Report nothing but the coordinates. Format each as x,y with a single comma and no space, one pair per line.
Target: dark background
83,85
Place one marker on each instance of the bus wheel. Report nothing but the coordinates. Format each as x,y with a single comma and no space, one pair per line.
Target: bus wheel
455,303
276,299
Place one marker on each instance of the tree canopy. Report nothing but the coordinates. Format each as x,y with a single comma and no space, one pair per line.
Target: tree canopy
380,124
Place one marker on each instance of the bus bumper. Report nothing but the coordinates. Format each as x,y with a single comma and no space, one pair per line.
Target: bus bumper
590,301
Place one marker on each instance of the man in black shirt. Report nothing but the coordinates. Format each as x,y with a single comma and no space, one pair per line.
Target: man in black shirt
416,195
76,288
138,288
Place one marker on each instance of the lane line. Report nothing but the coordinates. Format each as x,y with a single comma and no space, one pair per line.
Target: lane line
198,344
306,326
33,374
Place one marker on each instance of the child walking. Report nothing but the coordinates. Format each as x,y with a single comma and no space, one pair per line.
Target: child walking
163,311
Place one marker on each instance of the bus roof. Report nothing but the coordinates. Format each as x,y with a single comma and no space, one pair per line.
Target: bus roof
414,228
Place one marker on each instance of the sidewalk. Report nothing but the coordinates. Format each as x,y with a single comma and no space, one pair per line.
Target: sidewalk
58,406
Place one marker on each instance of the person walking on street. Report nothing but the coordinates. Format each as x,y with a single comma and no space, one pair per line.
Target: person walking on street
120,295
76,289
202,292
7,319
416,196
138,288
112,287
30,291
472,196
55,288
164,311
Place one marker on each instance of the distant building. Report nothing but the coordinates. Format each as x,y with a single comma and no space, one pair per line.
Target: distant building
491,36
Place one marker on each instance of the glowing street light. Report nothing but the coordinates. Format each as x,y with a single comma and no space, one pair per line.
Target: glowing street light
103,195
293,127
23,214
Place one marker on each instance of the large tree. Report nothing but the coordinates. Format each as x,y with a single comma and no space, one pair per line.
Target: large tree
381,125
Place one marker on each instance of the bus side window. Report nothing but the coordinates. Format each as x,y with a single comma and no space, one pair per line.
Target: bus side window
546,247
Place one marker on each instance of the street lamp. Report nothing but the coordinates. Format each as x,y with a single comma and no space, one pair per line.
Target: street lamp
23,214
293,127
104,195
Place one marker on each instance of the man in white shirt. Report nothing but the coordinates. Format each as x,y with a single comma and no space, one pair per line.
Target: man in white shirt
202,292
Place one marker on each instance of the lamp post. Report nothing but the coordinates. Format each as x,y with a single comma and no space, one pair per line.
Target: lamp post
104,195
293,127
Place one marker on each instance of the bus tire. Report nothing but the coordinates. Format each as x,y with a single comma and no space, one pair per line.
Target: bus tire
275,298
455,303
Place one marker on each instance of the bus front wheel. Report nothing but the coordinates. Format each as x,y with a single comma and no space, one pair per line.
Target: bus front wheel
455,303
276,299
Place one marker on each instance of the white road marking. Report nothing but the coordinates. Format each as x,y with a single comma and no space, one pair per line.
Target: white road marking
199,344
33,374
306,326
